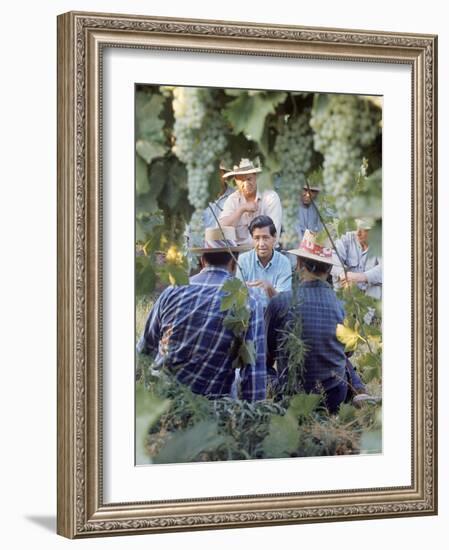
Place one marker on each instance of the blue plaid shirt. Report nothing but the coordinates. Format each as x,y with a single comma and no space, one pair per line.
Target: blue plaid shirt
320,312
185,331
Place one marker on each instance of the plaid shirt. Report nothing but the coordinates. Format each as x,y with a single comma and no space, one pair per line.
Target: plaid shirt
185,331
320,312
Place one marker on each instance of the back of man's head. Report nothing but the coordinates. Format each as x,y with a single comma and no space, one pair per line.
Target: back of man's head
219,259
317,268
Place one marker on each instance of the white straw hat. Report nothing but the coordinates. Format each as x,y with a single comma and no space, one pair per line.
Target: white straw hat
245,167
218,239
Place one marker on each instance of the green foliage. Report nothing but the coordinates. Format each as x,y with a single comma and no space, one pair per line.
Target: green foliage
303,405
149,409
248,111
235,297
194,428
292,351
282,438
187,445
346,413
235,302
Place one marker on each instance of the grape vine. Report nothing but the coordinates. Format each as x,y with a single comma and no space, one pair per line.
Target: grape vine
294,151
343,126
200,139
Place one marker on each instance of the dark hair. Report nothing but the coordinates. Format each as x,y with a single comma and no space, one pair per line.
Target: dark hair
315,267
262,221
218,259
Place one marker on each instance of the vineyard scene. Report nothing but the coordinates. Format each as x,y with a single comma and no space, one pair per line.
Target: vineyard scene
258,273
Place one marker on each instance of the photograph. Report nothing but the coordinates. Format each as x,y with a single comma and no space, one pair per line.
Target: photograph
258,274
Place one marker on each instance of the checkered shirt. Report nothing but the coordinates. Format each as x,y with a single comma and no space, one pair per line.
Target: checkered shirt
185,332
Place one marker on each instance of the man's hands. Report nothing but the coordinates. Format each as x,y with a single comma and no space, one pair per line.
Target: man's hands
264,285
351,277
249,207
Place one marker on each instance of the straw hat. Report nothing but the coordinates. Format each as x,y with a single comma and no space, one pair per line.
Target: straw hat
363,223
311,188
245,167
310,249
218,239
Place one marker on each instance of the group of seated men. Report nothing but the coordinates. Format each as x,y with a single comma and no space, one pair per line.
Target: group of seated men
185,329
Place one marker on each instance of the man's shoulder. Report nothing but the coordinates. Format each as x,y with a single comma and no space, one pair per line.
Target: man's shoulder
282,260
232,197
270,195
246,257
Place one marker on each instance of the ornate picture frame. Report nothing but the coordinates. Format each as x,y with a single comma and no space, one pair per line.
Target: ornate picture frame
82,40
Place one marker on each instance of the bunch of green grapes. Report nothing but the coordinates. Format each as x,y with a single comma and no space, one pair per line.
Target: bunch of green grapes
294,151
189,108
343,126
200,139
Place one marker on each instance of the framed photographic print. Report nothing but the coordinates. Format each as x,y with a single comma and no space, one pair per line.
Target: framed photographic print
247,274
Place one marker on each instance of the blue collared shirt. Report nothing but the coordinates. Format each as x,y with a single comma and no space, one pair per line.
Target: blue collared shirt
185,332
319,311
360,261
278,272
308,218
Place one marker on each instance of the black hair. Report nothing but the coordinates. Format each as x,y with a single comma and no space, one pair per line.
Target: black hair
218,259
314,266
262,221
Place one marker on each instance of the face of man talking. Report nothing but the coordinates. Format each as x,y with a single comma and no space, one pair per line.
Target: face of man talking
263,244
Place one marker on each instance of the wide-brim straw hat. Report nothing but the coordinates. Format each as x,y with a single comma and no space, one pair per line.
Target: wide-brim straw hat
245,167
218,239
310,249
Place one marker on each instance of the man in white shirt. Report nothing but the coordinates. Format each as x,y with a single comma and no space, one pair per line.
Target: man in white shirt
242,206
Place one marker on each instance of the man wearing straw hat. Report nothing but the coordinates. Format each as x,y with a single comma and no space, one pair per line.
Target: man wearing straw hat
247,202
186,333
362,268
326,368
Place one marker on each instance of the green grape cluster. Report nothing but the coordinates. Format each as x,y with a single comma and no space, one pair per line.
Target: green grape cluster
294,151
343,126
200,139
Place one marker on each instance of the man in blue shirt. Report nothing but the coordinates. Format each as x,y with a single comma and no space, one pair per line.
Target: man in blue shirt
308,217
326,368
263,267
362,268
186,334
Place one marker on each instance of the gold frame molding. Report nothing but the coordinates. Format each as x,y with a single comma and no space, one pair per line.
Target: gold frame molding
81,39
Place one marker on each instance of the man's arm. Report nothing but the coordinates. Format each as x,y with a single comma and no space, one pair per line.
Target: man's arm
284,280
374,275
232,212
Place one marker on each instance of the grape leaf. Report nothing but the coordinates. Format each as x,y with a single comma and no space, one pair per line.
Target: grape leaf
247,112
282,438
303,404
247,353
149,150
